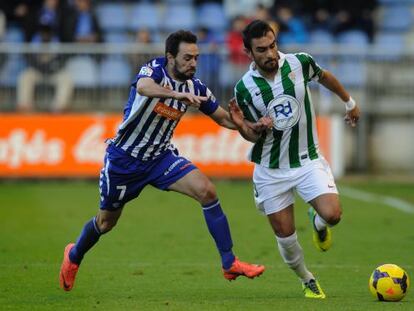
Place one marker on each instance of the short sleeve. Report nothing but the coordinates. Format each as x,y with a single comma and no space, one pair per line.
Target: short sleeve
210,106
148,71
311,69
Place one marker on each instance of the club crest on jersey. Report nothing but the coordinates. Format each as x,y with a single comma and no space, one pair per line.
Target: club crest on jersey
285,112
146,71
292,76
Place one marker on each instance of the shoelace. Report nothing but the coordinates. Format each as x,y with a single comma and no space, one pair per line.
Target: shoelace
313,287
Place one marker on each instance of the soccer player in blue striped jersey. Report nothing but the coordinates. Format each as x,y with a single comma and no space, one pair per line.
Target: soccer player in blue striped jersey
141,153
287,156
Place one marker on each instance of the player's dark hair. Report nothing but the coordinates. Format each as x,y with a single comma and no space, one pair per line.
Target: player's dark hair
256,29
174,40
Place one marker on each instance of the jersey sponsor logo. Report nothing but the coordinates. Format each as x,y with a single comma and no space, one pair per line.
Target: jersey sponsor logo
168,112
146,71
285,112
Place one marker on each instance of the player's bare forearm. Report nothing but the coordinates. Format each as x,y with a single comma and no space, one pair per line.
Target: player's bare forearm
329,81
222,118
148,87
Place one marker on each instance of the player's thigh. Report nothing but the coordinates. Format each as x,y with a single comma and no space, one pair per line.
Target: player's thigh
196,185
283,221
276,203
315,180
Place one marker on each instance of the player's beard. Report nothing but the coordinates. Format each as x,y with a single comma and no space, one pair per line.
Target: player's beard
268,67
182,76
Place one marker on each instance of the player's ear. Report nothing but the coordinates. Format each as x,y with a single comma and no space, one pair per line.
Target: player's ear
248,52
170,57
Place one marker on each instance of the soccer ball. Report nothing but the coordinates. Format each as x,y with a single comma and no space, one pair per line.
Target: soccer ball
389,282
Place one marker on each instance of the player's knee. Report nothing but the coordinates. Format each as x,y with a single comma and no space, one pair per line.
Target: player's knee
106,225
207,192
334,216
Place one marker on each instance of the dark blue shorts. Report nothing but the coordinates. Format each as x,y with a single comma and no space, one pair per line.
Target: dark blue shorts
123,176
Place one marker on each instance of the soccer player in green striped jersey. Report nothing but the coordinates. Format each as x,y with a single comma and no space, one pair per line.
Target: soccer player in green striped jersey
287,156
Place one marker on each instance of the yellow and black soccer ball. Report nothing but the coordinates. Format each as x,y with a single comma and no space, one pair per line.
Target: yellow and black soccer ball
389,282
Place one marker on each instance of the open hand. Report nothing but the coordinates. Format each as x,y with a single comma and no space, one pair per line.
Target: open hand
236,114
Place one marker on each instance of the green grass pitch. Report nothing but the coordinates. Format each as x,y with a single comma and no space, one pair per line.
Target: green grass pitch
161,257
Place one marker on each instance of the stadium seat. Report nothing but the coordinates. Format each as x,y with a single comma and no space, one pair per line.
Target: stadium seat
114,71
351,73
397,18
321,37
13,35
84,71
144,15
179,17
394,2
11,69
212,16
388,46
354,37
112,16
174,2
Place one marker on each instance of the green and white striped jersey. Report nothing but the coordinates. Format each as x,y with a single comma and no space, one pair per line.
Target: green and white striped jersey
293,138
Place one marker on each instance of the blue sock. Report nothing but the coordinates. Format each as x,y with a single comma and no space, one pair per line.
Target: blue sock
88,238
219,229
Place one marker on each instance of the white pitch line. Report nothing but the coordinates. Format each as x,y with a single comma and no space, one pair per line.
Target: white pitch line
377,198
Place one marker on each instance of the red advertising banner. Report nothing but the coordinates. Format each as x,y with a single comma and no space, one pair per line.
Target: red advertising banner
73,145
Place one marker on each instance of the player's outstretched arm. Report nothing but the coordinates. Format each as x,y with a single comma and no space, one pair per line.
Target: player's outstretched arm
329,81
148,87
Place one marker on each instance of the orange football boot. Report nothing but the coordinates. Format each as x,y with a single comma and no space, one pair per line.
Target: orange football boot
239,268
68,270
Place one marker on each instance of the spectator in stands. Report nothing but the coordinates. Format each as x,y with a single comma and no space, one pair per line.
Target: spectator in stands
319,14
263,13
143,35
81,24
238,60
48,13
355,15
44,68
291,28
18,13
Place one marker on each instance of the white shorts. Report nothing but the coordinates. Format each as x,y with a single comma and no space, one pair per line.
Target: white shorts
273,188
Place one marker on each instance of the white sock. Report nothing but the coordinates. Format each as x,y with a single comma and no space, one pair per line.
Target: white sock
292,254
320,223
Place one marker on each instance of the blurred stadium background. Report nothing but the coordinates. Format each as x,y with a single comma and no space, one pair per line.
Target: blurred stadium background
92,51
94,48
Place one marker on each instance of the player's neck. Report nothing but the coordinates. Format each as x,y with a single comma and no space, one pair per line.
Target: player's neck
268,75
172,74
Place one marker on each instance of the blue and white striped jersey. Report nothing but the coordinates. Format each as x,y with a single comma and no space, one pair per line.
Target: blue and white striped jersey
149,123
